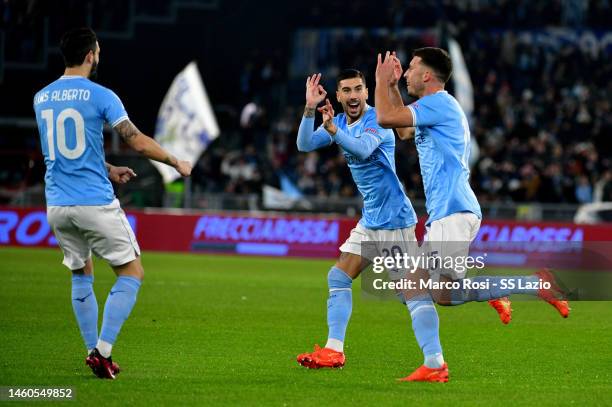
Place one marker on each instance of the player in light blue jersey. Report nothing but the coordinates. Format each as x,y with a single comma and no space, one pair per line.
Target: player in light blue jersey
442,138
81,206
387,214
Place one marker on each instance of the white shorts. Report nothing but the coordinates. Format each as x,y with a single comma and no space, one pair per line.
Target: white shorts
103,230
381,242
451,236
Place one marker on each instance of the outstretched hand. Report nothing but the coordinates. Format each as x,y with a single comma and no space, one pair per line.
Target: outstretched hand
315,93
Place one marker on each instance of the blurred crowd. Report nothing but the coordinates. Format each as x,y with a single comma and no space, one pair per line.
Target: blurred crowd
542,120
473,13
542,114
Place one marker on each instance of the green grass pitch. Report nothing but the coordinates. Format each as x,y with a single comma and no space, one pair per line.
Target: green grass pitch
225,330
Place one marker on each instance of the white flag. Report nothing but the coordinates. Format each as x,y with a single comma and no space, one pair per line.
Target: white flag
186,123
464,92
274,198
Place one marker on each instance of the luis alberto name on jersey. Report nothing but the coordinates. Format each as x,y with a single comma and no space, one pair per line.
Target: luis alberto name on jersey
70,114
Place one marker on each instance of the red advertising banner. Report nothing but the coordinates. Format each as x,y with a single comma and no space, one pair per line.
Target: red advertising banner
170,230
281,235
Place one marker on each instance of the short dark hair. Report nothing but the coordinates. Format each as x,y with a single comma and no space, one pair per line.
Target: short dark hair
438,60
76,44
348,74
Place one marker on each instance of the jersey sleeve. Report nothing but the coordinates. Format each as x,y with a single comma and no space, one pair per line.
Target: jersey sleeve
309,140
363,146
371,128
111,107
322,137
427,111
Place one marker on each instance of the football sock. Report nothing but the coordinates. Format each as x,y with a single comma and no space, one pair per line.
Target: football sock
104,348
335,344
426,326
119,304
496,289
85,308
434,361
339,307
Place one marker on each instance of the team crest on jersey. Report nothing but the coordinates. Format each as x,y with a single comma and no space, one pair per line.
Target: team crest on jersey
419,139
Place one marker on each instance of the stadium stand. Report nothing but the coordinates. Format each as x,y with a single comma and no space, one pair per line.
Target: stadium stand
542,115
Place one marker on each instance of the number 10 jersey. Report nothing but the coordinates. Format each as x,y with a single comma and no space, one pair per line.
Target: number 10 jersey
70,114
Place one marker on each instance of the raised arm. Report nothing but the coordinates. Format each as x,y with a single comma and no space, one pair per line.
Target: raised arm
389,113
404,133
395,97
150,148
394,93
308,139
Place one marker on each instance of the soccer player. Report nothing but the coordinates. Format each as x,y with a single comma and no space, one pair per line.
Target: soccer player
442,138
387,214
81,207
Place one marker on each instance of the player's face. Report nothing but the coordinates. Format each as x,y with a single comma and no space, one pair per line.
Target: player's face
352,95
414,77
94,63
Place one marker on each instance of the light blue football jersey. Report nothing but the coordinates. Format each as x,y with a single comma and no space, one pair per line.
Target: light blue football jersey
385,204
70,114
442,140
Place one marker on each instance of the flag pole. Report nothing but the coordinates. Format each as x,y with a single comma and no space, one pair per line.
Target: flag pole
187,204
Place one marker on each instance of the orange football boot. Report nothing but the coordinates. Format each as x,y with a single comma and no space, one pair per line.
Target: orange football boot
502,306
551,295
321,357
428,374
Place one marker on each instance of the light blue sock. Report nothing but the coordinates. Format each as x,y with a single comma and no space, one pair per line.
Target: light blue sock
85,308
426,327
339,304
119,304
513,285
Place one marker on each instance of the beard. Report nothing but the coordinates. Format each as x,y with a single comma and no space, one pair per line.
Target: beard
94,70
415,91
411,92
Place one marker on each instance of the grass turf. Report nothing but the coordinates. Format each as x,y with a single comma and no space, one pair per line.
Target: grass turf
226,330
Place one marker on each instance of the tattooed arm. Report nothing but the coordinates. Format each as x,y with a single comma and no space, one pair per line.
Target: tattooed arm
389,115
309,139
150,148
